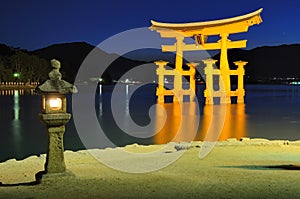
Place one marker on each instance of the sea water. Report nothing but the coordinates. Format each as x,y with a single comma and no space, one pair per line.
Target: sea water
270,111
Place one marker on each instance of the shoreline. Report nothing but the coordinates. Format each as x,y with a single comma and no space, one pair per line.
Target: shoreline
17,87
244,141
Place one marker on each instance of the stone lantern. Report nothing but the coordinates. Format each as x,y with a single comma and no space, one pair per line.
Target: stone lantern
55,116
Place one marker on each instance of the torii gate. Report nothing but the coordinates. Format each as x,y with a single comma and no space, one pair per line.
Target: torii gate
200,31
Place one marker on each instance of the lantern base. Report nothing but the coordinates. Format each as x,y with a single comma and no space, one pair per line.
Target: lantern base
43,176
55,119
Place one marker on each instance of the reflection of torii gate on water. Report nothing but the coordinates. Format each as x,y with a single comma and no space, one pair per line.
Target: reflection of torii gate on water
200,31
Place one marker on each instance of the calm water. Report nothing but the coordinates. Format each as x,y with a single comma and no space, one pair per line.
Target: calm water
271,111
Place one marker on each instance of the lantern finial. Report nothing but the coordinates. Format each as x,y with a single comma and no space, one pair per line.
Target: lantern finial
55,74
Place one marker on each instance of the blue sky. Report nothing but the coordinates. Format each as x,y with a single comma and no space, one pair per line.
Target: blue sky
34,24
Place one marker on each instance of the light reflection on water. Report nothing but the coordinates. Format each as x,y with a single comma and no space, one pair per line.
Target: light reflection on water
16,104
211,122
16,123
271,111
8,92
181,122
20,133
184,120
220,122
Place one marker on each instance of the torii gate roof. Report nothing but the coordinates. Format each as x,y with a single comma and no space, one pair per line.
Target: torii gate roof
230,25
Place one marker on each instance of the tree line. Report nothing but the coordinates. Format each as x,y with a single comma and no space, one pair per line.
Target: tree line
20,66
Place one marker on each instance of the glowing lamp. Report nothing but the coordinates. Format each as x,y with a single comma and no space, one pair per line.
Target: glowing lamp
54,103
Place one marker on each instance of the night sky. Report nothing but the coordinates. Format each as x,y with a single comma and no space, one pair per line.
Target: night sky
34,24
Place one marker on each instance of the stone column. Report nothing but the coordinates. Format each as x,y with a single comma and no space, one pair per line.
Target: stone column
55,123
55,162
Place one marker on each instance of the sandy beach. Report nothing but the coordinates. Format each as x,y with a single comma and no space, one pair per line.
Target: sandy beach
255,168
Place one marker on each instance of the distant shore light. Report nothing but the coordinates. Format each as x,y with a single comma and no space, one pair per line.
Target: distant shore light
16,75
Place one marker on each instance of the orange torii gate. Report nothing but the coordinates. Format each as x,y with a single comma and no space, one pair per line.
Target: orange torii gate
200,31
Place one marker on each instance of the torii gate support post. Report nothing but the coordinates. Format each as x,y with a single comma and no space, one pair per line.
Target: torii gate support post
240,87
192,73
209,91
160,71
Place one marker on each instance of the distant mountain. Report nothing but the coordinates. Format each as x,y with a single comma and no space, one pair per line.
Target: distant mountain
71,56
268,62
21,66
151,55
264,63
6,50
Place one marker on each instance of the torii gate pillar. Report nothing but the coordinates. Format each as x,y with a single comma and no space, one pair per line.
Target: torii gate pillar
224,71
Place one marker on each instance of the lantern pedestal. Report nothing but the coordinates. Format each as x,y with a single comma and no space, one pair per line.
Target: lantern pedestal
56,128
